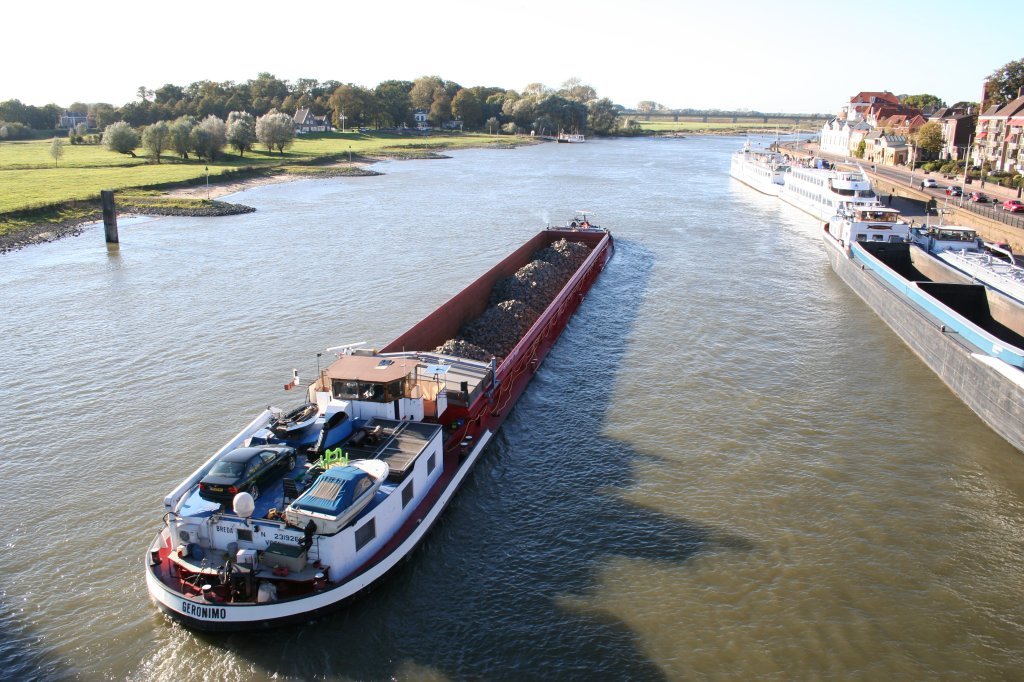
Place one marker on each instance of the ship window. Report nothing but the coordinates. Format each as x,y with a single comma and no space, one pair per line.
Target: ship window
394,390
245,535
350,389
407,494
431,464
365,533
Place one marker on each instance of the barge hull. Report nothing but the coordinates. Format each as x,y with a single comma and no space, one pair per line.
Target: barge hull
994,390
480,420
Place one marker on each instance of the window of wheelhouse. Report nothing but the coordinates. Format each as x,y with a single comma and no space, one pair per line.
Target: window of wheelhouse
372,391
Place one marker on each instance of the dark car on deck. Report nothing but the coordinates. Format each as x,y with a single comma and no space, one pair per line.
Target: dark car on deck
978,197
954,190
246,470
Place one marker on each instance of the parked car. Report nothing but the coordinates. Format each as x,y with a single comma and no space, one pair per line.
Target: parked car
1013,206
246,470
978,197
929,182
954,191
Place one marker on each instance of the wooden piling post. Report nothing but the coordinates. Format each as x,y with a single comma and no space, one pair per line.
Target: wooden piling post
109,215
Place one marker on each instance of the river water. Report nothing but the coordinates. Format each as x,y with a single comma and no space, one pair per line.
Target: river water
728,467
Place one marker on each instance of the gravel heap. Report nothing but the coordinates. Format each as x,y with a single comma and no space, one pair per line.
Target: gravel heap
516,302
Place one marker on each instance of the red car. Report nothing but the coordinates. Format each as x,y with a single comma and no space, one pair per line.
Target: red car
978,197
1013,206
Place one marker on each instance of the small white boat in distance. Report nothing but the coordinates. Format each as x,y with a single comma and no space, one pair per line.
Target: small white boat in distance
337,496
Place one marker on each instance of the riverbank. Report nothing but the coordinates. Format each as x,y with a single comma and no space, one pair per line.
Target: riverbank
196,200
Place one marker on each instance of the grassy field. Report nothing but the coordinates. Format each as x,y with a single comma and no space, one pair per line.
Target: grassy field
29,180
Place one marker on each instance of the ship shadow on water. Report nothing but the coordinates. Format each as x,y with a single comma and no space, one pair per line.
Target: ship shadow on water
538,518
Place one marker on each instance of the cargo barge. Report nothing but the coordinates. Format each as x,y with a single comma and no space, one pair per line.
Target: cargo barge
300,512
971,336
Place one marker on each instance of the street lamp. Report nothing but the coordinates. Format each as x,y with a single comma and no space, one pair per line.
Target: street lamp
207,183
967,159
913,159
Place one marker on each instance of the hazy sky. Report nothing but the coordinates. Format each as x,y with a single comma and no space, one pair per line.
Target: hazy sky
792,56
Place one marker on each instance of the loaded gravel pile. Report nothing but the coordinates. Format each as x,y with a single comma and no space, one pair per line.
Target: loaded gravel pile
516,302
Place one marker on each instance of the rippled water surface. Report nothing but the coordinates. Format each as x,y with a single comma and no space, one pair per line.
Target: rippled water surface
727,467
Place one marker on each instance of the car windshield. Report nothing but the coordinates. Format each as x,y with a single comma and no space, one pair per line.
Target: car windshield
223,468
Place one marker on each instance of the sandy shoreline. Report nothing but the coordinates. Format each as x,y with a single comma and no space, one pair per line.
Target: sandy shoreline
220,189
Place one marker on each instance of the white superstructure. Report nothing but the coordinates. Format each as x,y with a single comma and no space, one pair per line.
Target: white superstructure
760,168
824,191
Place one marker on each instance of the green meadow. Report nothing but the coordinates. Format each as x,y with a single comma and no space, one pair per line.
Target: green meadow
30,180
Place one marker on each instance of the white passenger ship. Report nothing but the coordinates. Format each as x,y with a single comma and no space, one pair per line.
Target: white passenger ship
760,168
824,192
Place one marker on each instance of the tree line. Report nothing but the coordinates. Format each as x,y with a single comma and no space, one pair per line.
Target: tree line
574,106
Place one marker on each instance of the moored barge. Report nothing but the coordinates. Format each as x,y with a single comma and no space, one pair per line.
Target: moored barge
971,336
330,497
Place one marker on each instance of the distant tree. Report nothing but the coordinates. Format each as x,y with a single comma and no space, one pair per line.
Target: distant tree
493,124
208,138
269,87
102,114
601,116
929,138
156,138
393,101
466,106
57,150
441,107
81,129
13,111
862,147
120,137
648,107
511,128
422,93
1003,84
544,125
144,93
577,91
168,94
241,132
536,89
275,130
923,102
181,136
354,102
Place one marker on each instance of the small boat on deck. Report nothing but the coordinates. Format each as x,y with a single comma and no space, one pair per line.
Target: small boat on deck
394,434
337,495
